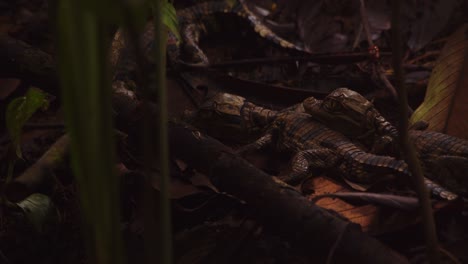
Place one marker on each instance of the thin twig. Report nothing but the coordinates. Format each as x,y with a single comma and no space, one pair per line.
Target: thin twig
449,255
407,146
325,58
365,23
386,82
358,37
378,70
424,56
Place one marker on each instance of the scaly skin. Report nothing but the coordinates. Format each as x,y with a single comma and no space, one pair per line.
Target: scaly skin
191,26
348,112
314,145
186,51
317,146
444,158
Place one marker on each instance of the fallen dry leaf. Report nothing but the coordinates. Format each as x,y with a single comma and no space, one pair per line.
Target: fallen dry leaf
372,219
446,101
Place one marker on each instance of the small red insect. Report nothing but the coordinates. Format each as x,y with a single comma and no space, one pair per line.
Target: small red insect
374,52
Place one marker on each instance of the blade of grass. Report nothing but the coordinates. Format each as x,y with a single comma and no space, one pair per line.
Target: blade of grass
86,98
147,204
152,88
408,148
160,33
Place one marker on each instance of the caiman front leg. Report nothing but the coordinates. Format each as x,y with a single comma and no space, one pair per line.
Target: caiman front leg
260,143
319,158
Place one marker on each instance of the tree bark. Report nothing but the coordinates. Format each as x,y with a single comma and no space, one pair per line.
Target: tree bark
40,174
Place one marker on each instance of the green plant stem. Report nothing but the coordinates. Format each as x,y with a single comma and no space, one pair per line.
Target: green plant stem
160,34
147,211
82,36
407,146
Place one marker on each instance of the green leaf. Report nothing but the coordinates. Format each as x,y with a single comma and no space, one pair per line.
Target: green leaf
40,211
169,18
446,102
231,3
20,110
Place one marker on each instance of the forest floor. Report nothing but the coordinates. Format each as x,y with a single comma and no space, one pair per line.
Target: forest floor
209,224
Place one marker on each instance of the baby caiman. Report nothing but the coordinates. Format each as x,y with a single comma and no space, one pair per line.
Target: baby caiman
444,158
313,144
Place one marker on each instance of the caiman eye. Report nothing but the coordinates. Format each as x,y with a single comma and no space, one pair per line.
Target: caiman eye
334,106
337,106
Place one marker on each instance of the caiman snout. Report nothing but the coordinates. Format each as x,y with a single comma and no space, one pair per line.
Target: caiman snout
220,116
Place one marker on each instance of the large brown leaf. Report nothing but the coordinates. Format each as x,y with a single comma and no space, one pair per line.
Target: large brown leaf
372,219
446,102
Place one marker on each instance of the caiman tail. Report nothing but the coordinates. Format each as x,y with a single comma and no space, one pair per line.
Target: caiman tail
365,167
439,144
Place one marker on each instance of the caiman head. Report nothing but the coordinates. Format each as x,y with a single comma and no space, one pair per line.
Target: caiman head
350,113
220,116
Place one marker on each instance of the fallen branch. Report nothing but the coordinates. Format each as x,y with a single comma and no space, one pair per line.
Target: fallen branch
285,210
40,174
